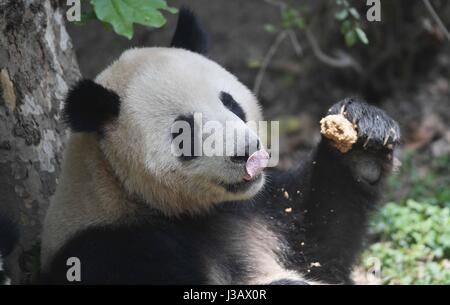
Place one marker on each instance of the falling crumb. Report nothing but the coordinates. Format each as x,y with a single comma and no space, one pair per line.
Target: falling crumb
286,195
340,130
288,210
298,192
302,243
316,264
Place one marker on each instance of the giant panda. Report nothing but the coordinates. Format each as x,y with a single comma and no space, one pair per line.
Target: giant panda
132,212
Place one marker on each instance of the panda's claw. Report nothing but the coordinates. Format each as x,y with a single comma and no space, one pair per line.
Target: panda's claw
366,142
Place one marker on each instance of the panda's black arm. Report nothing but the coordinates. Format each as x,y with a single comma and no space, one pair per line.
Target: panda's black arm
130,254
336,212
340,192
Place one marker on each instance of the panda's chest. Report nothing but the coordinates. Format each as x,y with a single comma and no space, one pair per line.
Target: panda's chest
233,249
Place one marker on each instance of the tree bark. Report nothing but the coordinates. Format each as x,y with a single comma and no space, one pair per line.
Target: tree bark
37,65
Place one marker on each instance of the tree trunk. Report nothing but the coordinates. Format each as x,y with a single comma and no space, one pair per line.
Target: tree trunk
37,64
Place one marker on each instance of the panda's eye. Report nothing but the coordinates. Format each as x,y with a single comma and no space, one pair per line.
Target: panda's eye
190,120
229,102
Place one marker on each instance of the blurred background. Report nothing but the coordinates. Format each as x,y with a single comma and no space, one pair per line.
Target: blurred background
300,57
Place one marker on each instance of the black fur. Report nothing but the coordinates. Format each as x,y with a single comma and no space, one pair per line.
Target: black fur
8,235
8,239
288,282
159,251
189,33
3,277
130,255
195,138
89,106
331,204
229,102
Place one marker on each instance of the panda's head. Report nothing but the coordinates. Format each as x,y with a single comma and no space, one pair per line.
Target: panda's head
134,107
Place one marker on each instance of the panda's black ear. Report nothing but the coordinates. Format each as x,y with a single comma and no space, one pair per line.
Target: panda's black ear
89,106
189,33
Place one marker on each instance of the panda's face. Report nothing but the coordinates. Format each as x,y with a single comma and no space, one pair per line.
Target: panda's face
135,106
162,86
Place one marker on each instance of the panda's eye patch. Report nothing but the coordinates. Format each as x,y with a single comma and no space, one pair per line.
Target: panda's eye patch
229,102
190,120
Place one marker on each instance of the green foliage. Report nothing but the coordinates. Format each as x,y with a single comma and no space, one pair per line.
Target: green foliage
291,18
349,18
295,19
413,234
122,14
422,177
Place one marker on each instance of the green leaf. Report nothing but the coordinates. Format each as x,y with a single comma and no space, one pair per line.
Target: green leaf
346,27
290,13
270,28
122,14
354,13
300,23
290,17
350,38
342,15
362,36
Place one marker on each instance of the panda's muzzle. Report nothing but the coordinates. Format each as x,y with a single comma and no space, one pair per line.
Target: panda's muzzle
242,186
254,166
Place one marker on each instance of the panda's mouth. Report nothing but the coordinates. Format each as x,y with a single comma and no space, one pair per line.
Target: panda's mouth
240,187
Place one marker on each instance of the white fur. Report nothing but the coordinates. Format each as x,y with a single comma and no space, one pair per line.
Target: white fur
260,252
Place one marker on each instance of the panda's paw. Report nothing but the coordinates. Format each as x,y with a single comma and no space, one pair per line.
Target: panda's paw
375,129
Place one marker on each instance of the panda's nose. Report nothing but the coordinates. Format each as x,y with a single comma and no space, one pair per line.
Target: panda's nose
244,158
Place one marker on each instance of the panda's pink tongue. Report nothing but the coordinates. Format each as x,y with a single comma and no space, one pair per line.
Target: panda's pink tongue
255,164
